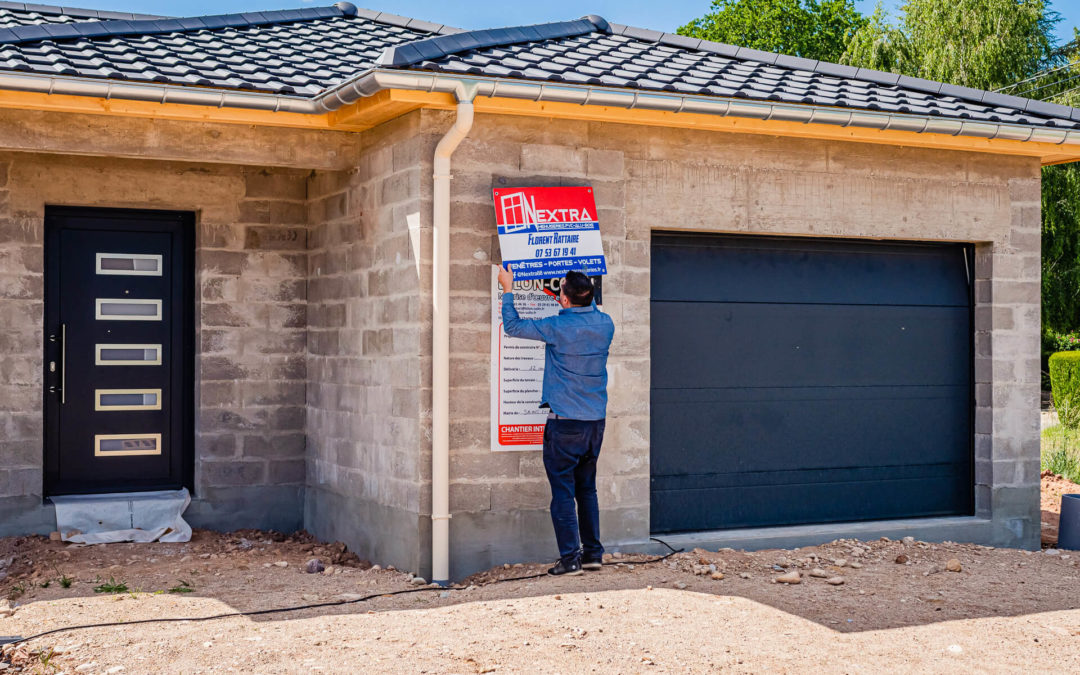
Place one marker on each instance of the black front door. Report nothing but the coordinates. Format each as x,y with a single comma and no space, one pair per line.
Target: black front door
118,350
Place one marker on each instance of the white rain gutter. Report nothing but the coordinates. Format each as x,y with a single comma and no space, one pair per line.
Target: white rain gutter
377,80
440,336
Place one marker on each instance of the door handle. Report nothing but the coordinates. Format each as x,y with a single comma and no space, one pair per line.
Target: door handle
63,364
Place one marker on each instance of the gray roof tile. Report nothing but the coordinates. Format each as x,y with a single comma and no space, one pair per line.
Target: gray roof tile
307,51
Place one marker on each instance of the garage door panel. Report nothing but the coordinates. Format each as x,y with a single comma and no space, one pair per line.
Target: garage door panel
808,381
749,506
806,345
764,269
711,430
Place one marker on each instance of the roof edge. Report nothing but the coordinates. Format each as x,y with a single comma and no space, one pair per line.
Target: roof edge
90,29
78,12
411,53
829,69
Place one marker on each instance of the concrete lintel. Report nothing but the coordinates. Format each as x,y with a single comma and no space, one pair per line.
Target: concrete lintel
966,529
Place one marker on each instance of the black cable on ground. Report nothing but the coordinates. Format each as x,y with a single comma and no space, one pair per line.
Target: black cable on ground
297,608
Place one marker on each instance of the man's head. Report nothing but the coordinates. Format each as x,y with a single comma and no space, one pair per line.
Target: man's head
576,290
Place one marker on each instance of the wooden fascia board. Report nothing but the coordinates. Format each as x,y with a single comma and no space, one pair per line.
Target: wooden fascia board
28,100
1046,152
391,103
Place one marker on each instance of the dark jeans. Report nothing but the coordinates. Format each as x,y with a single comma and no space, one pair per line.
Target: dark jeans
570,451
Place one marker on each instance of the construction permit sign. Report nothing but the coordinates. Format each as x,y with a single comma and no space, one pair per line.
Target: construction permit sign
545,232
517,365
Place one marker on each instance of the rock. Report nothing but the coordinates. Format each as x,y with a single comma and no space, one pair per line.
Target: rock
855,565
418,581
281,563
309,597
1052,551
908,540
953,565
716,576
314,566
680,585
444,594
792,577
55,536
83,667
350,597
744,575
330,569
376,568
819,573
114,670
901,559
835,581
840,562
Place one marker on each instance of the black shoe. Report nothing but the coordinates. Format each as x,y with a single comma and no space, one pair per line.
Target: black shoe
568,568
591,563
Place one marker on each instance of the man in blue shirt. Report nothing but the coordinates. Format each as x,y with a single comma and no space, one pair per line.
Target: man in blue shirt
577,341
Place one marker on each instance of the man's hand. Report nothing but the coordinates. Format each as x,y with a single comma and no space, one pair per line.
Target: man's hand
506,279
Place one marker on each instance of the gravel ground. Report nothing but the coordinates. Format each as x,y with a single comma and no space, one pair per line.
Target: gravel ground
898,607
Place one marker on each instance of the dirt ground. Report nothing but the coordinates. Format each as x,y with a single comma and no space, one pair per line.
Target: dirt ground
899,607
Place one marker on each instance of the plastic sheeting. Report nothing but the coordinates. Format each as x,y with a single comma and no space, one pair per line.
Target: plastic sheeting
138,516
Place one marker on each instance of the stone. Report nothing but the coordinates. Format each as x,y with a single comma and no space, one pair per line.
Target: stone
716,576
114,670
840,562
744,575
309,597
84,667
835,581
350,597
281,563
314,566
908,540
418,581
953,565
792,577
444,594
54,536
901,559
855,565
376,568
819,573
680,585
330,569
1052,551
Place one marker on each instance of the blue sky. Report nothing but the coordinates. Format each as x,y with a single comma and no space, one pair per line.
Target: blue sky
664,16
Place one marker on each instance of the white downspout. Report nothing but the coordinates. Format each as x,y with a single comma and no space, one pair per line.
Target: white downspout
440,340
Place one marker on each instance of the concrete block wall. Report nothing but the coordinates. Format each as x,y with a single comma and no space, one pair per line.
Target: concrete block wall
250,366
368,422
689,180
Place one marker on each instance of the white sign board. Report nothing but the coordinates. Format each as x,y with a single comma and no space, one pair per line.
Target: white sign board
517,366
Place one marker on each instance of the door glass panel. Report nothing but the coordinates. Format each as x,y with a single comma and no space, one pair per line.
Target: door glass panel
118,309
128,355
127,399
131,264
118,445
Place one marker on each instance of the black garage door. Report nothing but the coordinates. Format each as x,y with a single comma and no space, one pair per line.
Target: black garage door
808,381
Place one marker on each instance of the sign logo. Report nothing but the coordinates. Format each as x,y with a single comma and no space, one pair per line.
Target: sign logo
518,213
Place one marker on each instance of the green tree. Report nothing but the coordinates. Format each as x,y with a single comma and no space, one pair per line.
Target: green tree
882,46
983,44
814,29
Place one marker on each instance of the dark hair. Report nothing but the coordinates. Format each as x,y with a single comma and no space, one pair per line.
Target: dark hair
578,289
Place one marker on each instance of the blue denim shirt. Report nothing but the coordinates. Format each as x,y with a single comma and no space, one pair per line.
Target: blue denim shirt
575,363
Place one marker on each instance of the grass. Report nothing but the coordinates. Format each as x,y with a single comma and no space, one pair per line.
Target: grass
111,586
182,587
1061,452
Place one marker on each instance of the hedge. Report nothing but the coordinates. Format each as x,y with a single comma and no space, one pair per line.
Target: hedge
1065,384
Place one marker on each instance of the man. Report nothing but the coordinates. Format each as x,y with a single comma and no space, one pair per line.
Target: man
575,390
